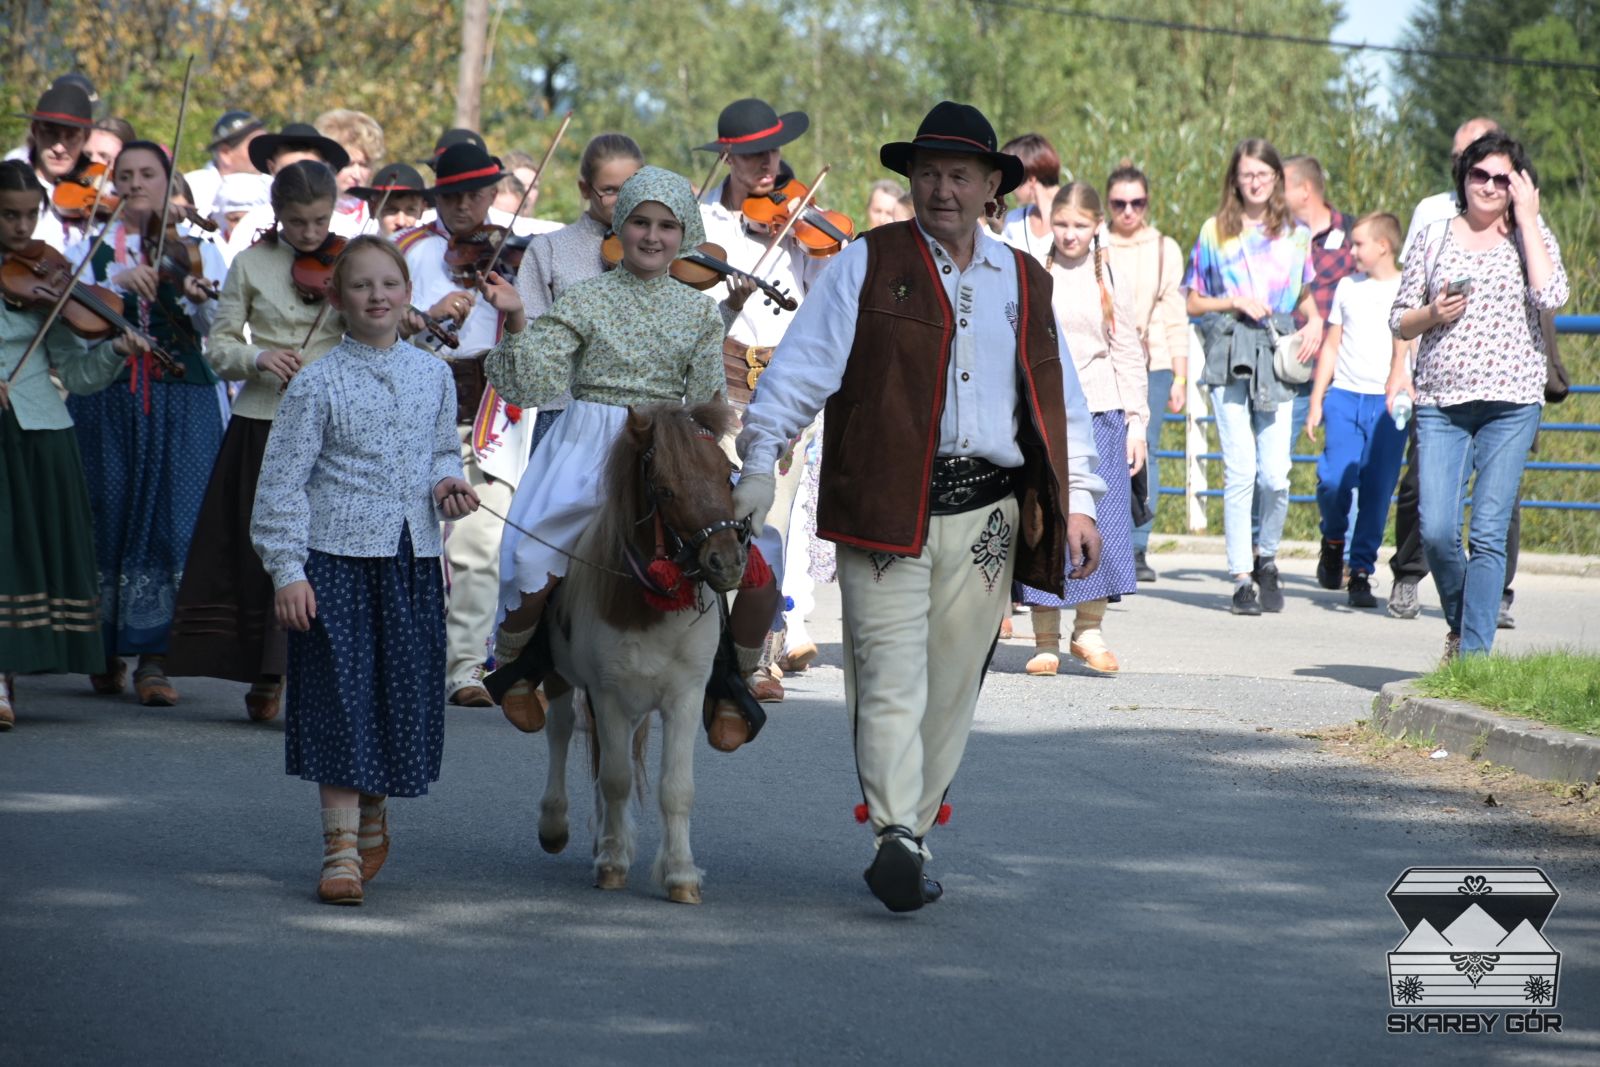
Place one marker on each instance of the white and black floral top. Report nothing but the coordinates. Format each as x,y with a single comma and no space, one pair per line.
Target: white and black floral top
361,438
1495,350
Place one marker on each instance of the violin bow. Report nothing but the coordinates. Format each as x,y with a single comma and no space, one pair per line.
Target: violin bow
55,312
177,145
716,164
538,176
794,217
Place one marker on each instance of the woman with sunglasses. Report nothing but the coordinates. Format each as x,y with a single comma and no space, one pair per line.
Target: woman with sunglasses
1474,297
1149,265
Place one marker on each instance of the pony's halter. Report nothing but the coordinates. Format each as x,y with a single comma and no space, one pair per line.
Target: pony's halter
684,551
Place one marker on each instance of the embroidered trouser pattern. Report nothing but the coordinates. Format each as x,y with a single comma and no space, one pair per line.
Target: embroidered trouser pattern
917,639
472,556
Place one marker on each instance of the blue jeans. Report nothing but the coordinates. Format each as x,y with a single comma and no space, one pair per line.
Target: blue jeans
1490,438
1361,458
1160,390
1302,411
1255,453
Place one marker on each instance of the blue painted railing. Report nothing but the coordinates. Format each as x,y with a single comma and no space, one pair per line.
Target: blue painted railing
1565,324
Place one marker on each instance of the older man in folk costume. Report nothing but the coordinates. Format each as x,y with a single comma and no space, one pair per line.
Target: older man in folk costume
957,452
495,439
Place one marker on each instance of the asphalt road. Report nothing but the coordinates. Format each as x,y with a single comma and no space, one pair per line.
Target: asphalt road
1135,873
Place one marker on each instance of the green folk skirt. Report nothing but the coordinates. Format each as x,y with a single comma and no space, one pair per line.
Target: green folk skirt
49,586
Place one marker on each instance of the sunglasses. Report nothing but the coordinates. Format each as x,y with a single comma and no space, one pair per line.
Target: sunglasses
1479,176
1139,204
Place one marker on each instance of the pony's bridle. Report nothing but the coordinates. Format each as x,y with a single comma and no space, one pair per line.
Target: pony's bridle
684,551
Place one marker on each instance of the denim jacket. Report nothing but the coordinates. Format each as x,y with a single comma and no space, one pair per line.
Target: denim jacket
1237,350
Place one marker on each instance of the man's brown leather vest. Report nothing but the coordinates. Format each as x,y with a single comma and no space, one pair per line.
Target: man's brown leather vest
882,427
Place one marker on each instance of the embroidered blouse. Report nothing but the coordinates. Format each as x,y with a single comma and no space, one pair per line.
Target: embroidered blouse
1495,350
616,339
362,437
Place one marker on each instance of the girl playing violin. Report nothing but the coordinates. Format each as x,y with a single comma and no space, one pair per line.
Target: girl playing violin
49,592
557,261
263,336
361,468
147,448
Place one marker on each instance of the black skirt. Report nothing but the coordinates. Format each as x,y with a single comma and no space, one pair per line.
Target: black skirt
49,586
225,626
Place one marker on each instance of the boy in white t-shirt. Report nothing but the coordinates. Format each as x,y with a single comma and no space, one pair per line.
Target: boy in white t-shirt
1364,450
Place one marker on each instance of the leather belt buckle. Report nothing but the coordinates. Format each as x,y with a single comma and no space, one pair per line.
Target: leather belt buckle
756,357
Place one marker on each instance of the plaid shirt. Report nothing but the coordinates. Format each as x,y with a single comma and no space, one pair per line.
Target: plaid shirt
1331,259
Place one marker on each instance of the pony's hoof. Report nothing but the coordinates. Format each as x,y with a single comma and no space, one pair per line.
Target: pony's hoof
611,878
553,844
684,894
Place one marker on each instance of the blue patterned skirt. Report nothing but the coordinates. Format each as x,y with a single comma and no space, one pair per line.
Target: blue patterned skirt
146,474
1115,576
365,686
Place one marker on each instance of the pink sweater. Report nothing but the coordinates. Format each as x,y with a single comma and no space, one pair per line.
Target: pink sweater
1110,368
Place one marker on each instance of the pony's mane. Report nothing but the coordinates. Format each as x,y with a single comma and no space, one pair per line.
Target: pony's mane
676,431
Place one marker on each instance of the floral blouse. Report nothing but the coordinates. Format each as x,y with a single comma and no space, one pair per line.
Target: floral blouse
1495,350
362,437
616,339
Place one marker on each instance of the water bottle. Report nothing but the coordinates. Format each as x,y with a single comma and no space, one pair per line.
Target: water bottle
1402,410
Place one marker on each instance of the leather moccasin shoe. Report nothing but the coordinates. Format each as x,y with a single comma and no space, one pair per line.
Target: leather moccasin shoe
728,728
1096,659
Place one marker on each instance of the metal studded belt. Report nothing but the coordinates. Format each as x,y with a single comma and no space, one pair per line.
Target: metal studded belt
965,483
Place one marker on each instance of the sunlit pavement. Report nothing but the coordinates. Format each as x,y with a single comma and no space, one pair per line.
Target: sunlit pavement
1135,872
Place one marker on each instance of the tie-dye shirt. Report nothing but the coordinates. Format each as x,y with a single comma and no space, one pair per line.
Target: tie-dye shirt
1274,271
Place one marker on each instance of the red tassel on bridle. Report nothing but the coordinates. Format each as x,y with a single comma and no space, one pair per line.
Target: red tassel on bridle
756,572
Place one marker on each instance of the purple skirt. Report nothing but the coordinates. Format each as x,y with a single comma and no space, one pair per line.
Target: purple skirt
1115,576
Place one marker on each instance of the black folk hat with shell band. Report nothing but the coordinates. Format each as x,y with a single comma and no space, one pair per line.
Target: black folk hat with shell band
959,129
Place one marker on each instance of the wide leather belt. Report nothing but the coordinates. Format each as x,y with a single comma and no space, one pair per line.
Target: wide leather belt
470,384
966,483
742,364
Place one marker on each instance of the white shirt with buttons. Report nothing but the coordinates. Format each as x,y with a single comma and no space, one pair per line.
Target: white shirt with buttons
788,268
980,410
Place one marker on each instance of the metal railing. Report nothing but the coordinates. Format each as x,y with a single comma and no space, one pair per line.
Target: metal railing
1198,453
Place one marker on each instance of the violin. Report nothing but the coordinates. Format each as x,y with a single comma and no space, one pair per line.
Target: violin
180,257
821,233
36,275
83,191
702,269
471,253
312,272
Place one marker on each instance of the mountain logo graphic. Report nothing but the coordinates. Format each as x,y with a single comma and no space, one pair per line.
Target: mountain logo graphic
1474,939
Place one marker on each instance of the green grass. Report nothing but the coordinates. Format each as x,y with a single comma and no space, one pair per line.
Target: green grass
1557,687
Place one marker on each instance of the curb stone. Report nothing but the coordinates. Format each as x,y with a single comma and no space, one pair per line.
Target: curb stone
1528,747
1527,563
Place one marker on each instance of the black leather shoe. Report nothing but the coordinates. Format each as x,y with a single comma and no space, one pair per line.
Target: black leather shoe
895,876
1330,564
1142,571
1270,585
